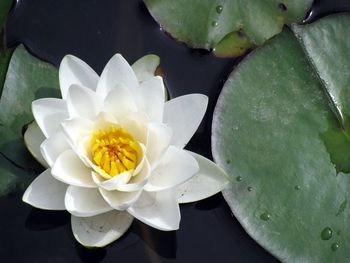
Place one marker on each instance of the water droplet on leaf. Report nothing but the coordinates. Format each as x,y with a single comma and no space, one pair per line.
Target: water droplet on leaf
250,188
335,246
214,23
326,233
219,9
239,178
265,216
297,187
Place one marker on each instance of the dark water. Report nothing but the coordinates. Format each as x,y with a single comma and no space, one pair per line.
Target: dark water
94,30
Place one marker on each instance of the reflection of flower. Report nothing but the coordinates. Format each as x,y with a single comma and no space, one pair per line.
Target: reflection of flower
114,148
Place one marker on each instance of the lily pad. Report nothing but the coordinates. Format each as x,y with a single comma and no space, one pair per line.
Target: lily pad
5,6
229,27
281,131
5,53
27,79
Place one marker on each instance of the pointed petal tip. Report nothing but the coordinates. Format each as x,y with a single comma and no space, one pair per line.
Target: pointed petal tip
184,115
73,70
45,192
68,57
25,197
157,209
209,180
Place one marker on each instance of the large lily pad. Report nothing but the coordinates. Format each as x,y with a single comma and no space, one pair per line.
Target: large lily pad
229,27
27,79
281,130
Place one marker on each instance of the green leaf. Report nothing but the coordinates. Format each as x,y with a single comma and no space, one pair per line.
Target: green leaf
229,27
13,177
281,131
5,54
5,6
27,79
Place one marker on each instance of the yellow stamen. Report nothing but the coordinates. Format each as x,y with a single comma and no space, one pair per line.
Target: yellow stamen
115,151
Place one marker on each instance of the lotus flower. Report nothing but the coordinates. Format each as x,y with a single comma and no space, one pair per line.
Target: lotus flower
113,148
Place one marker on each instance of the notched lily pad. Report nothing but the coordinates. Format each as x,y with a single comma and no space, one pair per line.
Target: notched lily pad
281,131
214,24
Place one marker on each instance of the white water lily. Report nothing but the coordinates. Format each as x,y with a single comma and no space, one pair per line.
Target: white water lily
114,150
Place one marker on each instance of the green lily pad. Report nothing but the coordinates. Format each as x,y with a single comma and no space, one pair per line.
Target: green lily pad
5,6
27,79
229,27
5,53
281,131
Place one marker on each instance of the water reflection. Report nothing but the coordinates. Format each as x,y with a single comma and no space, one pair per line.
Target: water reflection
42,220
90,254
163,243
322,8
210,203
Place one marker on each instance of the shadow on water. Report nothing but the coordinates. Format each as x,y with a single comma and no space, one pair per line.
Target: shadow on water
43,220
164,243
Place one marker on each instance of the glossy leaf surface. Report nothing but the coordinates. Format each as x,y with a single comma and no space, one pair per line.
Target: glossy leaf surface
27,79
281,131
228,27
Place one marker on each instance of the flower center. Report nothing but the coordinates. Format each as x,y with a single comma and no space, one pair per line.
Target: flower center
115,151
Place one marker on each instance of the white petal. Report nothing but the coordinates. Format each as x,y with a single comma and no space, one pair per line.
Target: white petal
117,71
158,140
100,230
184,114
69,169
209,180
136,124
45,192
83,102
145,67
176,167
119,102
150,98
76,129
138,181
157,209
85,202
33,138
142,161
53,146
75,71
98,179
123,182
120,200
115,181
49,113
